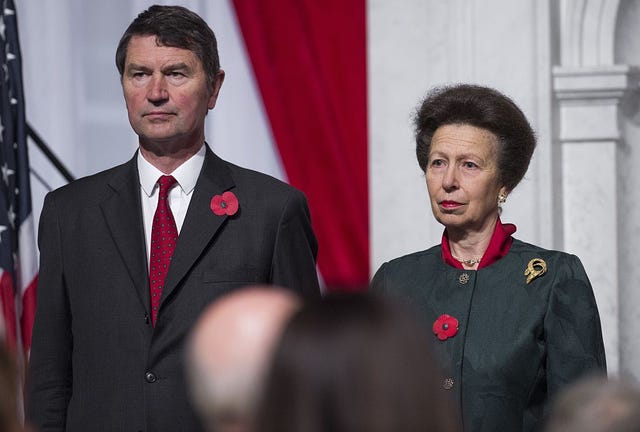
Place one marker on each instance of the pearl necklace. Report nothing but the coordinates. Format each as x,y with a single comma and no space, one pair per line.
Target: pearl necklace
470,262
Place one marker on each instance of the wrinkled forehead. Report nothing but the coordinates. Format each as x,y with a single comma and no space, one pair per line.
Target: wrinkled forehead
464,138
147,50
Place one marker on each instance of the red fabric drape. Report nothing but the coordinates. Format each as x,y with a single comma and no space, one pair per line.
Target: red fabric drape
309,60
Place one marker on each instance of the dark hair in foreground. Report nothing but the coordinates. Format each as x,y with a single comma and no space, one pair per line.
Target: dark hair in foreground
485,108
596,404
173,26
352,363
8,390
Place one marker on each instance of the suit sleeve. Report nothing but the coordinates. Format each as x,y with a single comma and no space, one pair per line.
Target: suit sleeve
378,283
295,251
572,328
50,379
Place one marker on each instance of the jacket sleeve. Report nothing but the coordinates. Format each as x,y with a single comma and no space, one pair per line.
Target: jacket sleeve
50,379
295,250
572,329
378,284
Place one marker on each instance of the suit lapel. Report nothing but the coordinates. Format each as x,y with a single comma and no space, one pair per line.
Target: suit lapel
123,214
200,224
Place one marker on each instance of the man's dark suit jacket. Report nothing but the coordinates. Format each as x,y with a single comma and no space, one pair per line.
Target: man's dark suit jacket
97,364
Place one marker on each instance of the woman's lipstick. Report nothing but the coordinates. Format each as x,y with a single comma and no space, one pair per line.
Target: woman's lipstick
449,205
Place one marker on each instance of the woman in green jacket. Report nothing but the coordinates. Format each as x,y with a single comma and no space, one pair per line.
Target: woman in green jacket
512,322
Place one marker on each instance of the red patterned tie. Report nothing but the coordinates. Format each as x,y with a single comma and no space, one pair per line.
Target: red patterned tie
164,236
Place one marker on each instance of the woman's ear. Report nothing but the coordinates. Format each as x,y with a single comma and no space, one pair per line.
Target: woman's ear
502,196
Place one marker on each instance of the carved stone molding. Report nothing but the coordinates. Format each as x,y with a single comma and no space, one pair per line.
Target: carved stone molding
588,99
587,32
597,82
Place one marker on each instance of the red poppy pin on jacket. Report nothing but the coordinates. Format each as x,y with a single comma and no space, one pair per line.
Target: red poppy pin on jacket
225,204
445,327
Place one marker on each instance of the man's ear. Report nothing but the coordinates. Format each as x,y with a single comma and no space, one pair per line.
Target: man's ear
215,88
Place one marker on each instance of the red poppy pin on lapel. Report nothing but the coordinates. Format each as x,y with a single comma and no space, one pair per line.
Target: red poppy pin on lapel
225,204
445,327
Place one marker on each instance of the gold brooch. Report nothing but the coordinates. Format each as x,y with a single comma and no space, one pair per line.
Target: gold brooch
536,268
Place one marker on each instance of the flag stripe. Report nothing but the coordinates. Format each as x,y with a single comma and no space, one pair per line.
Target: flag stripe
7,297
28,314
17,244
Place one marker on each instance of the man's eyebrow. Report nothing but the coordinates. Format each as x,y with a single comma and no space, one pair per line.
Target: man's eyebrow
176,66
135,66
173,66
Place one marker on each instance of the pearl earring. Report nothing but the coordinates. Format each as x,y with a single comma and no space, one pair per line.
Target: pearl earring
502,198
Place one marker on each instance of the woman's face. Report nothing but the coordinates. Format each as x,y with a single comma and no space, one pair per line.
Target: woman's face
462,177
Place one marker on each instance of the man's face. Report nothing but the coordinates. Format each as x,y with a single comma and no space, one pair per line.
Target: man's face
167,94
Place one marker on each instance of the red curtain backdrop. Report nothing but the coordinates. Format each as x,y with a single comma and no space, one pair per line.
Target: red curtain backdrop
309,60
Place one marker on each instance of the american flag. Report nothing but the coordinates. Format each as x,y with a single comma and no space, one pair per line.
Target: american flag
18,257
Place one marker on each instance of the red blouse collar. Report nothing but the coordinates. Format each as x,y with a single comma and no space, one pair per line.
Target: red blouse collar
499,245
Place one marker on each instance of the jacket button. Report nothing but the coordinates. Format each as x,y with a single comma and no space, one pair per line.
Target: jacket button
146,318
447,384
150,377
464,278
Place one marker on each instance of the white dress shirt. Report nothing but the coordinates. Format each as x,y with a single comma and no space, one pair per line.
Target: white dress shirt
180,195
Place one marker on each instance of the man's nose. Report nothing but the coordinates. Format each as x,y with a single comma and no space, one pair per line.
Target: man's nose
157,91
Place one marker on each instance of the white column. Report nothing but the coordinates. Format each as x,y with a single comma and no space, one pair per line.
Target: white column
589,134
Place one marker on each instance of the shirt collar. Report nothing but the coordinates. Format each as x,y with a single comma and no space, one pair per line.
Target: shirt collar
499,246
186,174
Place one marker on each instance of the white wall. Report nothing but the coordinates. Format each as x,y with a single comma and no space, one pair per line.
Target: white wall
627,51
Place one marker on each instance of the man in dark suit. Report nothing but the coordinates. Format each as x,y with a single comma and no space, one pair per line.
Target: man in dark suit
119,289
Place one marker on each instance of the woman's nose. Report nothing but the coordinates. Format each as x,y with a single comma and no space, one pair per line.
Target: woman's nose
450,178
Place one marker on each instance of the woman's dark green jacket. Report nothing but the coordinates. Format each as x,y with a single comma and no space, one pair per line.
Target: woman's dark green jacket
517,343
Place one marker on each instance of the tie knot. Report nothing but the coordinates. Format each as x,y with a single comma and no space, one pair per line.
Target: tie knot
165,182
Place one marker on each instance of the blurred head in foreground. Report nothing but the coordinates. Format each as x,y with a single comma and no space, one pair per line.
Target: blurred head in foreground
597,404
8,392
229,351
354,362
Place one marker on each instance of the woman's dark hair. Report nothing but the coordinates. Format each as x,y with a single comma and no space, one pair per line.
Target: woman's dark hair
351,363
484,108
173,26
